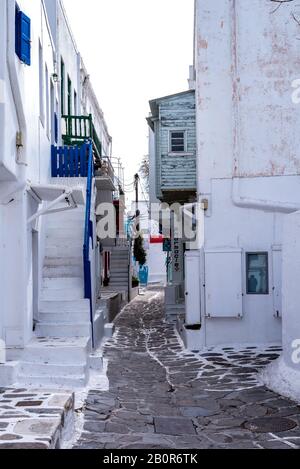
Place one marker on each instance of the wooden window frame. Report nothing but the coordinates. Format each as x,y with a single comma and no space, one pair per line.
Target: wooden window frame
69,96
172,131
62,86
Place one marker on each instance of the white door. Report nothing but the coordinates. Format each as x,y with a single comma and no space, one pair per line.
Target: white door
223,284
277,281
192,288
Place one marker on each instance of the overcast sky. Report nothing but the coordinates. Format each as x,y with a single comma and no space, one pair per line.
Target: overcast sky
134,50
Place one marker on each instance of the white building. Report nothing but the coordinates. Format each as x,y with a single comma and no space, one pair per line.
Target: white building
24,159
246,57
43,288
153,244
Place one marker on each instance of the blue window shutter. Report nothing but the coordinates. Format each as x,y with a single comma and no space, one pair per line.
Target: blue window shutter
55,128
17,31
25,37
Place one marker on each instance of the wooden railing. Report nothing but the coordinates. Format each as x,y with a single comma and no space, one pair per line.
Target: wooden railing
69,161
78,129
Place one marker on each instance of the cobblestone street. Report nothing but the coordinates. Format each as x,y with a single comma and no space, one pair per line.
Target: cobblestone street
162,397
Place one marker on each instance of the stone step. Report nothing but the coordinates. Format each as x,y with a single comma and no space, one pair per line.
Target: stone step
66,382
65,233
64,306
72,294
118,274
66,243
119,286
61,283
119,269
50,317
48,329
45,369
58,250
63,271
46,350
63,261
119,278
118,261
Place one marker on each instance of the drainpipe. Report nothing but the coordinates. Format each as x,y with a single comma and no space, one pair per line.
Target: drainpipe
14,82
260,204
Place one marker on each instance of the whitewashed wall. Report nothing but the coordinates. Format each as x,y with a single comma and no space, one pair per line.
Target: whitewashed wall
248,146
31,164
68,52
90,105
20,111
283,375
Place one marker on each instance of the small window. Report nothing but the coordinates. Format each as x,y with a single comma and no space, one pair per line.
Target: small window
69,96
177,142
55,127
257,273
22,36
75,103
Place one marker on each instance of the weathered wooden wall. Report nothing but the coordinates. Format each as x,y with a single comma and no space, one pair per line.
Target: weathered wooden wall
176,171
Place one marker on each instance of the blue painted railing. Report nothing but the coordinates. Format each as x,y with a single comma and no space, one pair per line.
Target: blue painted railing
78,161
69,161
88,233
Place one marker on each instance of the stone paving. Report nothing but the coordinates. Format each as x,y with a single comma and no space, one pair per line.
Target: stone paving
163,397
34,419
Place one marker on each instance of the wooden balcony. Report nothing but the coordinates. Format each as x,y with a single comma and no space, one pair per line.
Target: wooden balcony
78,129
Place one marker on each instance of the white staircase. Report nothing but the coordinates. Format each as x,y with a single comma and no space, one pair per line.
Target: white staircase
119,269
58,354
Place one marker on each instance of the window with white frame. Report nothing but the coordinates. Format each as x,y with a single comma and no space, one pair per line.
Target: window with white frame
177,141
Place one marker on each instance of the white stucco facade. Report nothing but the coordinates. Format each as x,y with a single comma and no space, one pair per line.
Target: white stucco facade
30,96
246,58
20,112
283,375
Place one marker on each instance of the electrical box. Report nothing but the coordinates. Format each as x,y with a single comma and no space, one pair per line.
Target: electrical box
192,288
223,284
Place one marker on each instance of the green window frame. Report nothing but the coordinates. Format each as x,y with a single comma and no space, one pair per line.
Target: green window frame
69,96
75,103
62,86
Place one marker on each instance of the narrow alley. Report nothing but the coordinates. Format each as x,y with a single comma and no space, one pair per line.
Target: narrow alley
163,397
